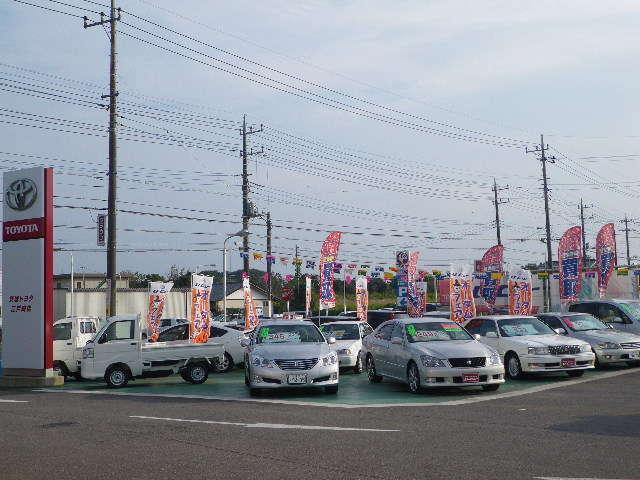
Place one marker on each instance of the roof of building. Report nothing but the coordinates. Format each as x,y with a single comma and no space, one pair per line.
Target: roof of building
216,290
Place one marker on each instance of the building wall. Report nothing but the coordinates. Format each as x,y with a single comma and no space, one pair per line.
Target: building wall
235,300
88,282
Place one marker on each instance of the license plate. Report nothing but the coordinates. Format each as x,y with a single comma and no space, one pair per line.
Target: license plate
470,377
568,362
296,379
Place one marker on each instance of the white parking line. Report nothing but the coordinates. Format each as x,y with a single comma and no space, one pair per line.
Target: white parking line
4,400
265,425
466,401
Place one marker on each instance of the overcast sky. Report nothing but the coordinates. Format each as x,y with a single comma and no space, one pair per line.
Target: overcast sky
458,89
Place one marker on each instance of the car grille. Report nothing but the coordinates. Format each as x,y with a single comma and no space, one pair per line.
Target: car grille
468,362
297,364
630,345
564,349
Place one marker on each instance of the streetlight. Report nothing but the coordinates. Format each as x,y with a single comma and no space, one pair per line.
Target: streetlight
241,233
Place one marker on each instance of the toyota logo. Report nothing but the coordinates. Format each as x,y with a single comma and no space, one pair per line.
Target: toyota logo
468,362
21,194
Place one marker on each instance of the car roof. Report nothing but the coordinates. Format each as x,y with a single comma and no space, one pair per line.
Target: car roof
564,314
343,322
420,319
502,317
266,323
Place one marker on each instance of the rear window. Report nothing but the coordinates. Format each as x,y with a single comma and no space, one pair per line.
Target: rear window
62,331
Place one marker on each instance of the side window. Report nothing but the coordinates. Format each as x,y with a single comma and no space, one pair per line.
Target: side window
165,323
584,308
384,333
475,326
610,314
397,331
62,331
366,329
121,330
217,332
551,322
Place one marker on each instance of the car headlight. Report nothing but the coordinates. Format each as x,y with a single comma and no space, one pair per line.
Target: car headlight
610,345
87,353
345,351
262,362
432,362
495,359
329,359
587,348
538,350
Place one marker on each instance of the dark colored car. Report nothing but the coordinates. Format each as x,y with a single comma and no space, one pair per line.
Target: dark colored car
377,317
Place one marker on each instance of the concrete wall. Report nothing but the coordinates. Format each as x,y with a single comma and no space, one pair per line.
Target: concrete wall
87,283
235,300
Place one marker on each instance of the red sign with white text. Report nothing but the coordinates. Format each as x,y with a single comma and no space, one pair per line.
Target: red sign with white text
23,229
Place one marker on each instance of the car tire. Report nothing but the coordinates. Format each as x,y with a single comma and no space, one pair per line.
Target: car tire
226,365
512,366
358,369
254,392
575,373
196,373
491,388
413,378
247,374
331,389
372,374
60,369
117,376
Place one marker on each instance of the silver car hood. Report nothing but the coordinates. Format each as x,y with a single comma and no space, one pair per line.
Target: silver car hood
341,344
452,348
595,336
543,340
284,351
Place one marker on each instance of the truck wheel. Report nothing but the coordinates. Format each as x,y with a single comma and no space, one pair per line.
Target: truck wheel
60,369
117,376
196,373
226,365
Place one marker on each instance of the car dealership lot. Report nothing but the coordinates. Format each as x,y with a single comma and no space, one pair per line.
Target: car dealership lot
587,428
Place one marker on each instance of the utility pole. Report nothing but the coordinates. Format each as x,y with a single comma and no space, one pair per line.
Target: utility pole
542,149
626,230
248,211
497,202
584,242
114,16
269,292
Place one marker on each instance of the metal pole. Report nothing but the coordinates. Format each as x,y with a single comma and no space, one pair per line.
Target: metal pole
72,287
495,202
344,290
224,278
626,233
584,244
245,197
543,159
269,288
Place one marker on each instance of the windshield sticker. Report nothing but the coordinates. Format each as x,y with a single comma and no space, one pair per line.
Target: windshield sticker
411,330
283,337
321,328
571,324
452,327
264,333
518,330
433,334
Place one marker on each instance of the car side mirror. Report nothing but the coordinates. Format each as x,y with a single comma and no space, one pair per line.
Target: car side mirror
102,339
88,342
491,335
396,341
477,336
560,331
245,342
331,340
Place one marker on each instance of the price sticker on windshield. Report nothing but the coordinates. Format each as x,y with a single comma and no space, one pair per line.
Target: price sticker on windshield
411,330
452,327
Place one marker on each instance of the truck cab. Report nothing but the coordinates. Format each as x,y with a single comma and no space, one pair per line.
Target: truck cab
70,335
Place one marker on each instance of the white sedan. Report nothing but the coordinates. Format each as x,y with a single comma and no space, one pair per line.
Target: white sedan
348,335
528,345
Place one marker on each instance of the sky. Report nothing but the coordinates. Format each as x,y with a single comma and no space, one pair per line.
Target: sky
385,120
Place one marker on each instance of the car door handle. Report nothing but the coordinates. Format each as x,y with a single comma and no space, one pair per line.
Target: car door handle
134,343
69,343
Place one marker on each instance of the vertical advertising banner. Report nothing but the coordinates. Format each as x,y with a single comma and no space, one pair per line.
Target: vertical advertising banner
606,256
461,300
100,232
570,264
251,319
489,284
415,304
200,308
328,256
520,292
157,301
362,298
27,272
402,265
307,296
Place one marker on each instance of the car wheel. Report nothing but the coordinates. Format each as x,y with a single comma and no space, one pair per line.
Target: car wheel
358,366
247,374
575,373
371,371
226,365
332,389
60,369
413,378
513,369
254,392
491,388
196,373
117,376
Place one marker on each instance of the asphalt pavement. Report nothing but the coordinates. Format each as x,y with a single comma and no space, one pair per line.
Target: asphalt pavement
581,430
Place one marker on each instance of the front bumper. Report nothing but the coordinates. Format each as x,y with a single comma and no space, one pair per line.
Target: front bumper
554,363
348,360
318,376
619,355
455,377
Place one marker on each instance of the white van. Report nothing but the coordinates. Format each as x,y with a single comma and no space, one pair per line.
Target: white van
69,336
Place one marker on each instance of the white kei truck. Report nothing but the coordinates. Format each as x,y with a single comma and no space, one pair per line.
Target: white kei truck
118,353
70,335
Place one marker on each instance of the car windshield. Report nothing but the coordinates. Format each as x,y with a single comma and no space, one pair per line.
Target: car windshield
632,309
435,332
517,327
582,323
289,334
341,331
62,331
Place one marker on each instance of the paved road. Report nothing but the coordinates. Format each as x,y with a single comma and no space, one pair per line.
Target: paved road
584,430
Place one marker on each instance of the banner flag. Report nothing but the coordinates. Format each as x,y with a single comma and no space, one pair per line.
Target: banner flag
257,256
491,264
415,304
328,255
362,298
200,320
307,296
606,256
520,292
570,264
402,264
157,301
251,319
461,300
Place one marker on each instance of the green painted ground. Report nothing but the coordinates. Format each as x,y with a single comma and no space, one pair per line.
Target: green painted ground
354,389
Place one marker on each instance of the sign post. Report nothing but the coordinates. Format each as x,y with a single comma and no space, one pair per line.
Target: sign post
27,278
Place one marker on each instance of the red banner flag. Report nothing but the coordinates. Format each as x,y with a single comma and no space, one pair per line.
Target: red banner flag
328,256
251,319
570,264
489,285
461,300
520,292
606,256
200,308
362,298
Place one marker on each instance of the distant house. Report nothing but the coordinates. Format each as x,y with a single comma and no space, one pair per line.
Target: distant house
83,280
235,297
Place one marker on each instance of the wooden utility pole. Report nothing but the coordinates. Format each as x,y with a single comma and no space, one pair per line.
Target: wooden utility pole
497,202
248,210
